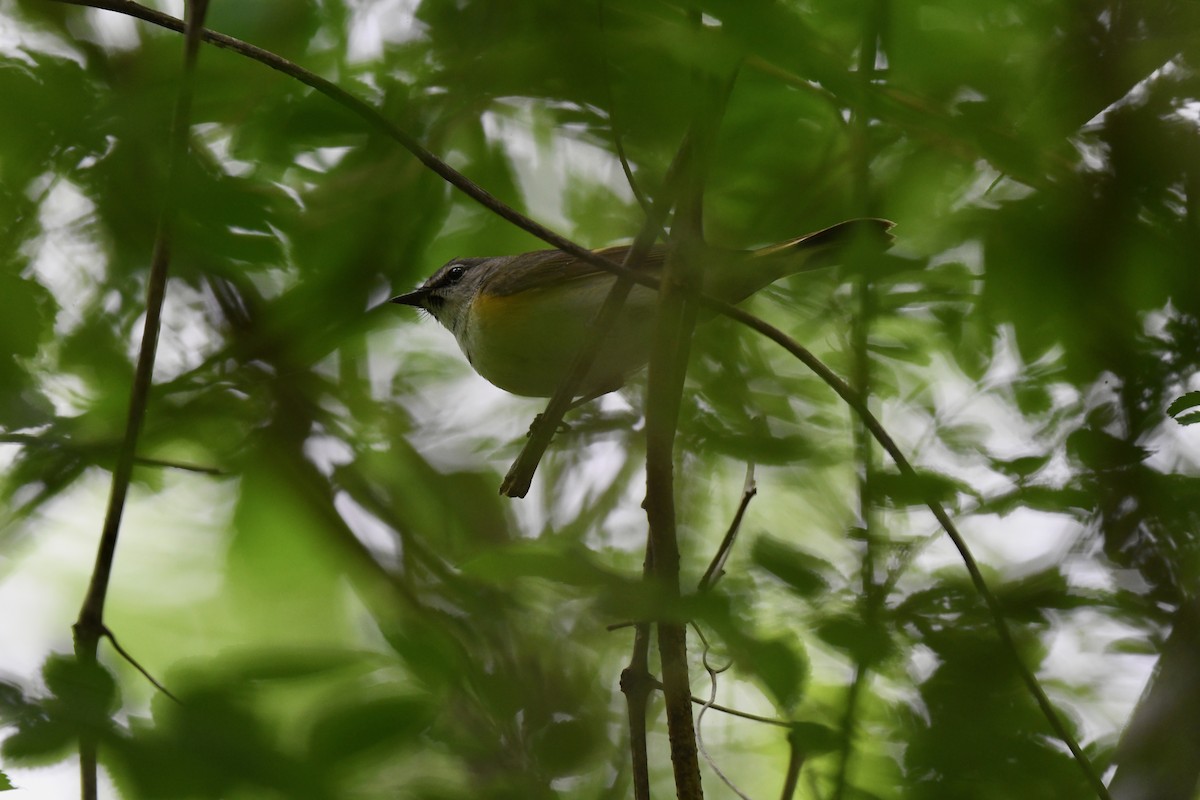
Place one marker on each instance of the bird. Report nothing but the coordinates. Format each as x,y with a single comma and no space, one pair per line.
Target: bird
521,319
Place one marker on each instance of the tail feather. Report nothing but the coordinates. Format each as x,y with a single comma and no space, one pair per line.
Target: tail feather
872,230
818,250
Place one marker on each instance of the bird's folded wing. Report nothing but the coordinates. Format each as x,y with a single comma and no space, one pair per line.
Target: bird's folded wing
546,269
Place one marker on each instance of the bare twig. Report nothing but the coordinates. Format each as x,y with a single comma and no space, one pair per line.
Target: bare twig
675,319
661,413
713,672
668,360
618,144
185,466
791,778
89,627
733,712
34,440
108,634
716,567
636,683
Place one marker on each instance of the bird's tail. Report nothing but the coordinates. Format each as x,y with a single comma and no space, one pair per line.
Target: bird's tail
869,230
818,250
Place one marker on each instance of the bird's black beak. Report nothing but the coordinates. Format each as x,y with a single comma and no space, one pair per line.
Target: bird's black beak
415,298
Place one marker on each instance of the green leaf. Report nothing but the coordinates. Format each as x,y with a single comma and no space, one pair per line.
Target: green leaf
381,724
565,746
282,664
1181,408
1183,403
1021,468
1028,598
27,308
918,488
1067,500
215,744
1033,397
84,696
812,738
901,351
13,704
573,567
867,644
803,572
1099,450
781,669
47,728
1133,646
39,741
779,663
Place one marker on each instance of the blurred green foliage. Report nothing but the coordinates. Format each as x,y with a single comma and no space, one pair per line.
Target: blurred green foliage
378,623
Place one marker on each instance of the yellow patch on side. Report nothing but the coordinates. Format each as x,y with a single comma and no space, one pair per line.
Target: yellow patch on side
525,343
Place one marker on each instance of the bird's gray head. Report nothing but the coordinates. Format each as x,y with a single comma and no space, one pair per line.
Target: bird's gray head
447,293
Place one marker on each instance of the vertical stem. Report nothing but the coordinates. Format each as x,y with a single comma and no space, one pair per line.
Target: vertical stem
791,778
668,367
637,684
662,414
861,381
89,626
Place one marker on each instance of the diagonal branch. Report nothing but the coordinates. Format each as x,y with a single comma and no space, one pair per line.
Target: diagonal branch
880,434
89,627
716,567
352,103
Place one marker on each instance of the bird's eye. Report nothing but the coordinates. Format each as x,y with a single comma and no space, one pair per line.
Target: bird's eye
455,273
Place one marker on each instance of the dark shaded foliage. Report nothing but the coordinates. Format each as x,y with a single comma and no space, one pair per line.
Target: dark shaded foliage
379,623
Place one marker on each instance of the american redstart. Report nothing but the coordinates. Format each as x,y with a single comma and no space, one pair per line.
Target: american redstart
520,320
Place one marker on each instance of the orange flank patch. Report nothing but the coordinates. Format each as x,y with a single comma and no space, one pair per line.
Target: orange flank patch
525,343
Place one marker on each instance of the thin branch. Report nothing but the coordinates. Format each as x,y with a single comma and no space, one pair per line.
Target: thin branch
180,465
713,672
618,145
89,627
856,402
716,567
791,778
368,113
29,439
636,683
853,698
90,623
733,712
670,346
108,634
668,360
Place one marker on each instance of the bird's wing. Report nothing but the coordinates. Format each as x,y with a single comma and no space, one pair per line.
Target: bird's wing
550,268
